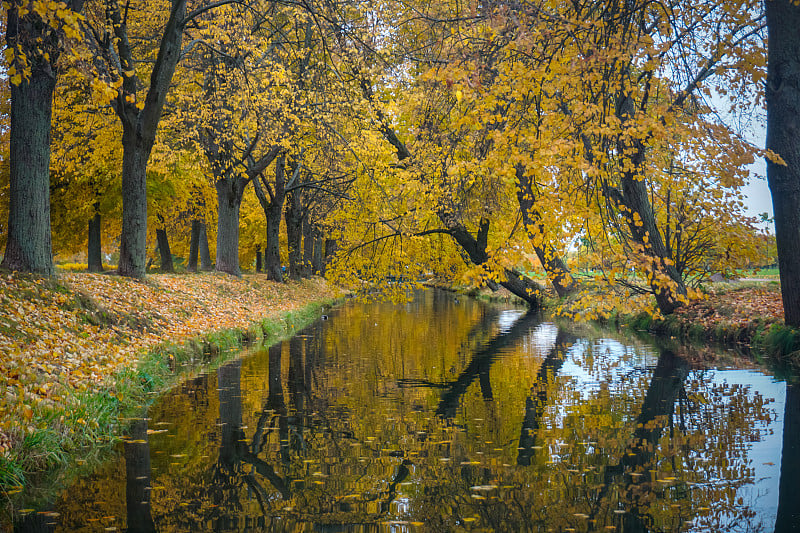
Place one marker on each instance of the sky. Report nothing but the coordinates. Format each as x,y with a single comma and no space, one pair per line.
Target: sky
757,191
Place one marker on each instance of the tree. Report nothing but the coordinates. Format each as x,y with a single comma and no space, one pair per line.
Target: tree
112,43
35,35
273,208
783,140
440,190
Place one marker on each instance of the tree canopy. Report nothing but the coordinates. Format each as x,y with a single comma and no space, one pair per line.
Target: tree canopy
599,143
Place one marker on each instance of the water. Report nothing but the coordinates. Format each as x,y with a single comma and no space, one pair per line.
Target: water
448,415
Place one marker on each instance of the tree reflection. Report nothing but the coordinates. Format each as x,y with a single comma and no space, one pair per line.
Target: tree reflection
536,402
639,456
137,476
481,363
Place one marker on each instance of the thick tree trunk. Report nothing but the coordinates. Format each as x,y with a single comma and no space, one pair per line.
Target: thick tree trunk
194,246
133,240
783,138
164,251
294,234
317,264
272,253
29,246
557,272
229,199
94,249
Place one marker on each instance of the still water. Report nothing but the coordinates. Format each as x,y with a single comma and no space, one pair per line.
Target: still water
454,415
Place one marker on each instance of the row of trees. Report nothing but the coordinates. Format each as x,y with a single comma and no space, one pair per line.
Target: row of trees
461,139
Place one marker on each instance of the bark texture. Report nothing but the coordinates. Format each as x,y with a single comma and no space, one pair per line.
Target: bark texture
194,246
783,138
29,246
205,254
229,200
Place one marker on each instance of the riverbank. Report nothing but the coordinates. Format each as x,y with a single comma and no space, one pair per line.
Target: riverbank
745,314
79,351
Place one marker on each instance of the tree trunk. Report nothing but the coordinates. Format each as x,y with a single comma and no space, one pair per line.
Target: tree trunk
94,250
557,272
272,253
273,208
229,199
29,246
331,246
294,233
133,240
663,278
475,249
317,264
259,264
194,246
783,138
633,199
205,255
164,251
308,247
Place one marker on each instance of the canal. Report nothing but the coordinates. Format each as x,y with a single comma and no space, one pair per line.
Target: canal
448,414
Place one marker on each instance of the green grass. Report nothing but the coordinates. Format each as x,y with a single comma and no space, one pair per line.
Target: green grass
769,272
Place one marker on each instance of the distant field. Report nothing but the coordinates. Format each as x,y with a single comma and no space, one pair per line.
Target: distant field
760,273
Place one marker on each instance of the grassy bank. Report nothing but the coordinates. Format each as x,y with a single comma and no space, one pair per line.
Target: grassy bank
82,351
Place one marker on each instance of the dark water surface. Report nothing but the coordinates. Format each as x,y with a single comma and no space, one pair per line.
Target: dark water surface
447,415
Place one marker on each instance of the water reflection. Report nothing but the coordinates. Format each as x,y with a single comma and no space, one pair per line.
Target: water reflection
447,416
137,478
789,500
